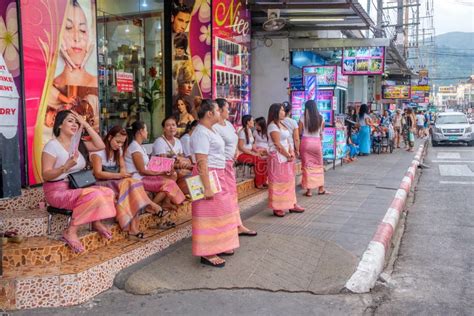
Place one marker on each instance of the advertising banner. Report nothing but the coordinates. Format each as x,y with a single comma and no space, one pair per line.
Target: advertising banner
325,75
8,102
363,61
340,143
191,56
60,69
231,56
329,143
396,92
297,104
423,79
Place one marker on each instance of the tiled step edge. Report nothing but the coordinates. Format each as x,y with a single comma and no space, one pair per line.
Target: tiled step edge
72,289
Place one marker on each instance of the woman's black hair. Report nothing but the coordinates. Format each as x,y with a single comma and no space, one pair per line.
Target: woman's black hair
364,109
260,121
207,105
134,129
169,117
287,106
176,112
312,118
189,127
245,120
221,102
274,112
181,41
58,121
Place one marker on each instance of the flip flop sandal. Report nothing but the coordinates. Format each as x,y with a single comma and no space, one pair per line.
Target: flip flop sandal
249,233
12,236
308,194
105,234
138,236
226,254
324,192
75,246
209,263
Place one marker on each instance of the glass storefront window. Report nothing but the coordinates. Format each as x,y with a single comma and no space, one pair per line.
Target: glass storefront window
130,61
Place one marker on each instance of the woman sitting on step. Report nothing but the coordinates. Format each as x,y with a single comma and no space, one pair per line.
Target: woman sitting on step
169,146
136,162
109,169
61,157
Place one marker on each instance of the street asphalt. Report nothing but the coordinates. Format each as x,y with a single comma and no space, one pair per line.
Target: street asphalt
433,274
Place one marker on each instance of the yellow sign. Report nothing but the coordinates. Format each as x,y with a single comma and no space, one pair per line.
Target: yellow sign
420,88
447,89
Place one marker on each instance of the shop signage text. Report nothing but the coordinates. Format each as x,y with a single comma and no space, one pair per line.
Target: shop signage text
231,12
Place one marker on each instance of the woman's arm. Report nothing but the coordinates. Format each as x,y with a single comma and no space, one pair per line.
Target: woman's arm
242,149
276,141
296,140
140,165
96,143
99,174
204,174
47,166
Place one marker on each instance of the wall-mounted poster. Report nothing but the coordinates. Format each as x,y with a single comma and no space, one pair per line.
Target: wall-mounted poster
329,143
325,75
231,56
60,69
396,92
363,61
191,57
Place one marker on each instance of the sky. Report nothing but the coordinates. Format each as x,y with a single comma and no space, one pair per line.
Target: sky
453,16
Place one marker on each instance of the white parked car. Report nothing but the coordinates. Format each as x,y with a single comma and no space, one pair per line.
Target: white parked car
452,127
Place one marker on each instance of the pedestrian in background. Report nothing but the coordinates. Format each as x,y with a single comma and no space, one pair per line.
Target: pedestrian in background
365,123
227,131
281,166
312,125
411,123
214,223
420,124
397,126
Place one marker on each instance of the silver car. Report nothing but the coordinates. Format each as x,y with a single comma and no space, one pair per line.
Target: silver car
452,127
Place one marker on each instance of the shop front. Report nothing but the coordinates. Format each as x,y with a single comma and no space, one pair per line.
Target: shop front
118,61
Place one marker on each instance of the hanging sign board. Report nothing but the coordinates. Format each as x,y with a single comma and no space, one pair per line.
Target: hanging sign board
124,81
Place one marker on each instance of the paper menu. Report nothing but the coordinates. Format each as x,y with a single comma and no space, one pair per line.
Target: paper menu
160,164
196,187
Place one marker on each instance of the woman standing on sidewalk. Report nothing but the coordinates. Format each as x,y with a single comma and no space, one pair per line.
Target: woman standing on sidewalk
365,122
397,126
250,154
109,170
60,158
215,224
226,130
281,166
312,125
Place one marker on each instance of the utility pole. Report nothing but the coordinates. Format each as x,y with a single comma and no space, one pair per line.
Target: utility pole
379,32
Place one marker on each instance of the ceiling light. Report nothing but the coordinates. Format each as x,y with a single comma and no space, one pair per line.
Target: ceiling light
316,19
144,4
127,29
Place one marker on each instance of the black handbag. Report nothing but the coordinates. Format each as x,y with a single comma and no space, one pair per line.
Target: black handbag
81,179
114,169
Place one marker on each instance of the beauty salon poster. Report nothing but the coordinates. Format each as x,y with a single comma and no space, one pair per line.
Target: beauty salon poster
60,63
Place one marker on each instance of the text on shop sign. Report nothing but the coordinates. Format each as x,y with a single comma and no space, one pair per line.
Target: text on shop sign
232,12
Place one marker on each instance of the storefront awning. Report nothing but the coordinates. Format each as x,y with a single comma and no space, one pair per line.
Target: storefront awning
312,15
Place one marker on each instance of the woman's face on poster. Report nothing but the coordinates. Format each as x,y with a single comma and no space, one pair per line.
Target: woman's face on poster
181,106
185,88
76,35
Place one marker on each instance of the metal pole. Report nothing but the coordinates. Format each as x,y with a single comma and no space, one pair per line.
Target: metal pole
378,33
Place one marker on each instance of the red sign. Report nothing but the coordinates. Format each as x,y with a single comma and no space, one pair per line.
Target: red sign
124,81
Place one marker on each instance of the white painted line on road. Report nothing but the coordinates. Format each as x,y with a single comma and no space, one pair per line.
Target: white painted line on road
455,171
457,182
452,161
449,155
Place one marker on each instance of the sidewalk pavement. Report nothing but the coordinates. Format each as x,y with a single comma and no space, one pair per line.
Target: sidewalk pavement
315,252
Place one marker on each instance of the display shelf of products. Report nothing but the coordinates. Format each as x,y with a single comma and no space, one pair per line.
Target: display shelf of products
228,54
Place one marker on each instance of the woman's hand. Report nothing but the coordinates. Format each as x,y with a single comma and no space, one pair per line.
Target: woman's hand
208,194
71,162
80,119
124,174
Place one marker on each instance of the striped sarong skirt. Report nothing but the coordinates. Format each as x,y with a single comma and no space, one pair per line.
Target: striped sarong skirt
312,163
281,183
214,223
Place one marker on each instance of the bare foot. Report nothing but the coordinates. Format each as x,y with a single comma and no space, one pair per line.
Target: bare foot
153,208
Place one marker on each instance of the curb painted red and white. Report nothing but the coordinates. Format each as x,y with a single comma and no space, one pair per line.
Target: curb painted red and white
373,259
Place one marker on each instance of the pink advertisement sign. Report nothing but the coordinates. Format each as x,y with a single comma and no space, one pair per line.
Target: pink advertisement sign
60,69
